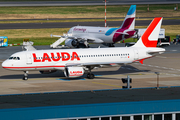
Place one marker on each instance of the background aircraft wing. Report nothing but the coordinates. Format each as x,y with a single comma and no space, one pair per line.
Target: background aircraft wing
94,40
84,38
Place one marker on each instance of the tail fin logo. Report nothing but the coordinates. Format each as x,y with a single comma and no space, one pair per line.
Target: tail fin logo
150,36
129,21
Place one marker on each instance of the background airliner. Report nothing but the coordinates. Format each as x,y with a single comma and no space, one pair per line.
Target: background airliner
81,36
75,62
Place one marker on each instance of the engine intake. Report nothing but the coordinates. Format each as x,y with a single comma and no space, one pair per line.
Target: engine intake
72,43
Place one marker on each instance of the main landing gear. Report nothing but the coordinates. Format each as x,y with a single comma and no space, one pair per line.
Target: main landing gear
25,75
89,74
111,45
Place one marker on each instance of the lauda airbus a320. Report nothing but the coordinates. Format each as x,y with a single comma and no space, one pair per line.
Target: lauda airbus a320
81,36
75,62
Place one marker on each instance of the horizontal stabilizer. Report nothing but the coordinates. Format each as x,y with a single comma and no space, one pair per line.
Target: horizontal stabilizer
124,33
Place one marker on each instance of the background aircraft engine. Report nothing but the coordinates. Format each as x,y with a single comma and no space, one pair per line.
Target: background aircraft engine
72,43
47,71
71,72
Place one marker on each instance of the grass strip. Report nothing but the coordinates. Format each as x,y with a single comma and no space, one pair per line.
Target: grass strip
166,10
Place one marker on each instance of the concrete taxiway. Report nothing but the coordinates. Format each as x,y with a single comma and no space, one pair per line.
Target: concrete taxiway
143,75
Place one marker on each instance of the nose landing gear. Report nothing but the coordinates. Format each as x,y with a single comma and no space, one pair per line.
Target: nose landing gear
25,75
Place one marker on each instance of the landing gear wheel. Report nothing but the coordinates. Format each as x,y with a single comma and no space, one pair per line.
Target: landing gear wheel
90,76
25,78
111,45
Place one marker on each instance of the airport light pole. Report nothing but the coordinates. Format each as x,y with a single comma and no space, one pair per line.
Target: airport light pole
157,73
105,14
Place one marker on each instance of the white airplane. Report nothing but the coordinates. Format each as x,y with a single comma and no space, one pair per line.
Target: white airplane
81,36
75,62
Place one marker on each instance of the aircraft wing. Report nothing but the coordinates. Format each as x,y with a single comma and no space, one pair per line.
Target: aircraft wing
94,40
94,64
63,36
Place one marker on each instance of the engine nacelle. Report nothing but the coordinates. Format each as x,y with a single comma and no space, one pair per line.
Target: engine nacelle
71,42
47,71
72,72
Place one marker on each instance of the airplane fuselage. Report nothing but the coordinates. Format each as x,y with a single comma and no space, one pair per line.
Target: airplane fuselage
101,34
59,58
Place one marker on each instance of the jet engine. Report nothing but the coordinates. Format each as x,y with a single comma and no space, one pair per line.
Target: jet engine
72,43
47,71
72,72
75,43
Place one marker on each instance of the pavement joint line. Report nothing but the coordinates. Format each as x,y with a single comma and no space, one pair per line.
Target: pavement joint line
172,74
160,57
161,67
165,67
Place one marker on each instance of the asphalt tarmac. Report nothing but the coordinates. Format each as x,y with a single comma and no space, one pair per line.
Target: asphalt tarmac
143,75
88,97
71,24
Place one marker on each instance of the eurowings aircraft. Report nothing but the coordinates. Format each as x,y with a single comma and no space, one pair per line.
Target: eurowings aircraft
81,36
75,62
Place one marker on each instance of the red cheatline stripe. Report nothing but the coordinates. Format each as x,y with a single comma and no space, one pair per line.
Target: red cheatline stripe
33,67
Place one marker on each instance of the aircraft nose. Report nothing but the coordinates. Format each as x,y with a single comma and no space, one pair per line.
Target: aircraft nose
5,64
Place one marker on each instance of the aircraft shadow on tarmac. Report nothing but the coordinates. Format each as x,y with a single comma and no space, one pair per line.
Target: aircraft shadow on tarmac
127,69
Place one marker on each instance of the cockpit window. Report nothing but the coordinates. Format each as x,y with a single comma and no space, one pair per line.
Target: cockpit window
10,58
14,58
70,31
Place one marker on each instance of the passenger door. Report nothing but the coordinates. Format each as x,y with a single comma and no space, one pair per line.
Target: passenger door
28,59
